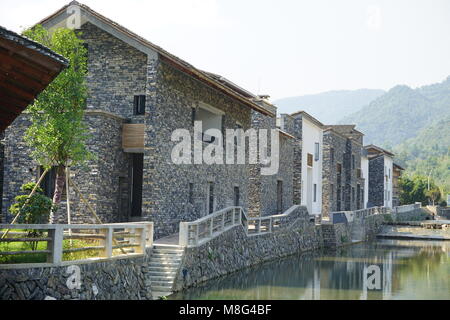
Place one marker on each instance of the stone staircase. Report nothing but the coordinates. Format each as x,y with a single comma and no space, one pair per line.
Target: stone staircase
163,267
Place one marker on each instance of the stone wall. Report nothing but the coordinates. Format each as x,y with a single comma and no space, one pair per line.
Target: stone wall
376,181
124,279
263,199
172,97
417,214
360,229
234,250
444,212
344,191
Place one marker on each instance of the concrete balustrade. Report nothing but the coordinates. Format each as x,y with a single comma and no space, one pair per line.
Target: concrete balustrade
197,232
137,235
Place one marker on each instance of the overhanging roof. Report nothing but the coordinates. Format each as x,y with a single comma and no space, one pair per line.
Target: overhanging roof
89,15
378,150
308,117
26,69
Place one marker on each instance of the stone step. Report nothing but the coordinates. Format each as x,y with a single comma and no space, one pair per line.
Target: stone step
157,294
165,260
163,288
167,253
163,283
162,268
162,278
167,246
162,273
164,264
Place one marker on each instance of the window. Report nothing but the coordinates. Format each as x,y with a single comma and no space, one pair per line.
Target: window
210,118
332,155
358,173
353,161
339,168
279,196
310,160
353,194
315,192
332,191
316,151
191,193
137,174
194,110
236,196
210,197
139,104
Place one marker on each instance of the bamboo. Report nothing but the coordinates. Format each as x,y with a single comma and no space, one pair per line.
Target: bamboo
10,253
25,239
90,207
26,202
68,203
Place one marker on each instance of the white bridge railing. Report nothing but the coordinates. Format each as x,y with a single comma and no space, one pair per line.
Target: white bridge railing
406,208
351,215
62,240
196,232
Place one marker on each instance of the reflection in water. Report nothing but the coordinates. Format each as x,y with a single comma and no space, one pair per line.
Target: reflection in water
406,270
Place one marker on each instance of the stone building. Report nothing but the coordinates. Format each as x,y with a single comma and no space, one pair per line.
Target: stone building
396,174
380,176
139,94
343,181
307,171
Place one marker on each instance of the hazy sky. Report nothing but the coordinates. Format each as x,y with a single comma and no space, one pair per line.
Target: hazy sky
284,48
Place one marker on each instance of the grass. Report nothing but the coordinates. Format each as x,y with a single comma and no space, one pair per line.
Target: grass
40,257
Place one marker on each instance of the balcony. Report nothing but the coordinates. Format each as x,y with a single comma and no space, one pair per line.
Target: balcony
133,138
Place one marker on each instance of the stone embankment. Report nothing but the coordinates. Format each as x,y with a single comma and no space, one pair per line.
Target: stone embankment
112,279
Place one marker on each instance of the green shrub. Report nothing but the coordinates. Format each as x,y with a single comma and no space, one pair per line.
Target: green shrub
36,210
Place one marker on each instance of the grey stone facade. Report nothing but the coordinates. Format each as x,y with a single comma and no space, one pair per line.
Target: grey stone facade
342,181
376,181
117,72
263,193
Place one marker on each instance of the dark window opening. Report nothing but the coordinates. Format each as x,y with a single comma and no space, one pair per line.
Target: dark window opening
211,198
136,180
279,196
236,197
139,104
332,155
315,192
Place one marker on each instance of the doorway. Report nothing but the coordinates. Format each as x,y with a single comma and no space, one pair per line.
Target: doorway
137,169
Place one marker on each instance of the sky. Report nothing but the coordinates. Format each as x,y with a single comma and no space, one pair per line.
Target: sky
284,48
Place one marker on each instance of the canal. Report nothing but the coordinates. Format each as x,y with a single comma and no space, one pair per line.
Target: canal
383,269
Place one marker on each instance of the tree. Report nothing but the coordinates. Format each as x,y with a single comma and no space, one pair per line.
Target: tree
434,194
34,209
415,189
57,133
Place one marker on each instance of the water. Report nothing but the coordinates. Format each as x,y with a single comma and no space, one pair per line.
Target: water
407,270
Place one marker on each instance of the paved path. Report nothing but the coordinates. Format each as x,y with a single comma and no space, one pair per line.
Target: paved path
172,239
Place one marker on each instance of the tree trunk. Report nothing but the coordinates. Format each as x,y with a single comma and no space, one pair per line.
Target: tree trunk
59,188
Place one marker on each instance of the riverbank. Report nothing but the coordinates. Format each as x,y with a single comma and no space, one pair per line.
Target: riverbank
339,275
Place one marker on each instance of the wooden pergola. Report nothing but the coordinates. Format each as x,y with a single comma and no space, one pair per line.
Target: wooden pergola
26,69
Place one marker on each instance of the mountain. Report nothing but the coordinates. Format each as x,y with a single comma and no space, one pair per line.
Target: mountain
430,149
329,107
415,124
400,113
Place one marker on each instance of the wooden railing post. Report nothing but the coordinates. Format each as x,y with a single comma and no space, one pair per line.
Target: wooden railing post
56,233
